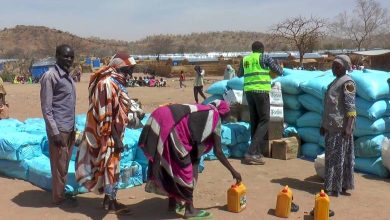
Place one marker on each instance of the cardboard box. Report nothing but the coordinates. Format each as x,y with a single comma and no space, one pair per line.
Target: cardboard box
275,130
285,148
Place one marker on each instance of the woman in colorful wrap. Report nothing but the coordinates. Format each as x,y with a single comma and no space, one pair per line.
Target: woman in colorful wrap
98,157
337,125
174,139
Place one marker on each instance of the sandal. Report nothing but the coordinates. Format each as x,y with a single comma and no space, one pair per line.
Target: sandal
179,208
117,208
202,214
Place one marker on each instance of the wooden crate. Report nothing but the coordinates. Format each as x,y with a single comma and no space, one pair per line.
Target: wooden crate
285,148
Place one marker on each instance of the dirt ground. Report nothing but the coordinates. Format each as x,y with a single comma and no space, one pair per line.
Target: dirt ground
22,200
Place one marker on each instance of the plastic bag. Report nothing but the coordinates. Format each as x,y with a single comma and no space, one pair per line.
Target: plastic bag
319,165
386,153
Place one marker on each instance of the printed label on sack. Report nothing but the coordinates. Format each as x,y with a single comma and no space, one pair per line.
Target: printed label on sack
275,95
276,113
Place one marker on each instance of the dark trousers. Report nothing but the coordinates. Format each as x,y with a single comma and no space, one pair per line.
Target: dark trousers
198,90
259,110
59,163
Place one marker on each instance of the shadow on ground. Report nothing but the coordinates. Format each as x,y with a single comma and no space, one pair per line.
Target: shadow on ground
147,209
372,177
312,184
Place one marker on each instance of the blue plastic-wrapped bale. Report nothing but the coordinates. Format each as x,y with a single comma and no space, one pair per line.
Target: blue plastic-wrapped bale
71,181
217,88
321,142
212,98
44,145
369,146
236,83
373,110
365,126
143,161
291,102
19,145
289,131
228,136
9,124
291,83
309,134
130,141
311,150
371,166
311,103
291,116
14,169
211,156
130,175
310,119
40,172
317,86
371,84
235,133
239,150
80,121
34,126
287,71
243,132
201,164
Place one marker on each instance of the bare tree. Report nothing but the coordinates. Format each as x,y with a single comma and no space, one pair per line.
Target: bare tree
368,19
160,44
299,32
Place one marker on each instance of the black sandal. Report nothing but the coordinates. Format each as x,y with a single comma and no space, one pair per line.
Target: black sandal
294,207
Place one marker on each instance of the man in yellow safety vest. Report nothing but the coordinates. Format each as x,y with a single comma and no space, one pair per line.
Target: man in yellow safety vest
256,68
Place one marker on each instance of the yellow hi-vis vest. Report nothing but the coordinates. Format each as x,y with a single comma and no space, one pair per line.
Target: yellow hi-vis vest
255,77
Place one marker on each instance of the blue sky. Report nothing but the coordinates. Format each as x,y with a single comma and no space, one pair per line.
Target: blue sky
136,19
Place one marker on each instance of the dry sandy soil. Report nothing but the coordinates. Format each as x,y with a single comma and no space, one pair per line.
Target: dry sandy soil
22,200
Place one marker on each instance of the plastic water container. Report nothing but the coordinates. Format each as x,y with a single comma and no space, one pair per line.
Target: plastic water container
236,198
321,208
283,203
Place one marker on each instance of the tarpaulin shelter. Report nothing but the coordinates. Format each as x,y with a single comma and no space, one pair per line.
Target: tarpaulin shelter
378,59
40,67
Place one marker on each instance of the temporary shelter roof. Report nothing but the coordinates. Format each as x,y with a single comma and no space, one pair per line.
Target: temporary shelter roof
50,61
372,52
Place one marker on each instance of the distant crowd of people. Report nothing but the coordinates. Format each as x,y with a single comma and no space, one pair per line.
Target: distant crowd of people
146,81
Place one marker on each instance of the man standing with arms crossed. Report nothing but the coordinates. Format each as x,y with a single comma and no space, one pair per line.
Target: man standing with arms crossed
255,68
58,101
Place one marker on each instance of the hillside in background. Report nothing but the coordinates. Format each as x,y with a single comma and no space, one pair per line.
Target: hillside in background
38,42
